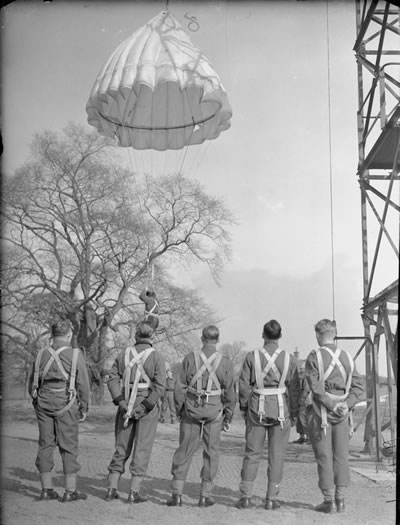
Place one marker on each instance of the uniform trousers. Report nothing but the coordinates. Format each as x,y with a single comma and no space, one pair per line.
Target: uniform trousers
61,431
168,403
137,436
331,451
301,423
191,434
278,438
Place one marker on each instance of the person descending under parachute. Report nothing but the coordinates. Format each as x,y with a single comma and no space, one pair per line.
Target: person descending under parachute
151,307
158,92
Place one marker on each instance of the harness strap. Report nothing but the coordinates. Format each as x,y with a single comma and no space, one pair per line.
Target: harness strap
210,365
35,383
139,359
152,309
54,356
72,376
324,375
261,374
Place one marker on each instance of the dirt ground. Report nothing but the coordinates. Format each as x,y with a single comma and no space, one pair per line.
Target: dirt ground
370,499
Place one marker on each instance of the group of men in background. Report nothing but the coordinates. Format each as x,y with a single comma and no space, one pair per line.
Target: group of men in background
272,398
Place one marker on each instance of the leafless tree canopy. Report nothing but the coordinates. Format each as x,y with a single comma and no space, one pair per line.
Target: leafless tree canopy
79,238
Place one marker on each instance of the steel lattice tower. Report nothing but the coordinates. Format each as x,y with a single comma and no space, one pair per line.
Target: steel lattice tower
377,50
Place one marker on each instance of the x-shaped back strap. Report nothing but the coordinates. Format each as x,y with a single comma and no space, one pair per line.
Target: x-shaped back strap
139,358
209,364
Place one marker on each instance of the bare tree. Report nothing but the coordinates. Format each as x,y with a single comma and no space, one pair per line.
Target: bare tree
236,352
82,242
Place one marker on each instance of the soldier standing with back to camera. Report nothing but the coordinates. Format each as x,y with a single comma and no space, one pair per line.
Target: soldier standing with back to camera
59,386
136,383
205,401
335,388
268,398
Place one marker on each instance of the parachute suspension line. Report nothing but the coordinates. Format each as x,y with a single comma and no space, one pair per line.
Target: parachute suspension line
330,163
141,217
183,158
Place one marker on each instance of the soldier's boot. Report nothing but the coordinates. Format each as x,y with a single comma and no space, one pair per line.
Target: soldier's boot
177,489
71,494
48,493
112,492
327,506
134,496
271,502
243,503
175,500
339,498
205,499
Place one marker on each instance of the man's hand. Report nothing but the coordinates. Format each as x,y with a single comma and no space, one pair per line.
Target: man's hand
83,416
243,414
293,421
139,412
123,406
341,409
226,426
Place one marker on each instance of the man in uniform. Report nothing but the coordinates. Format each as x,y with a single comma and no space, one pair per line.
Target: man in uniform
59,386
141,369
151,307
205,401
268,399
301,422
168,402
335,388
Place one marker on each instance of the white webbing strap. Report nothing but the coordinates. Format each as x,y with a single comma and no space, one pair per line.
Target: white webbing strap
35,383
261,374
210,365
54,356
324,375
203,364
152,309
139,358
71,377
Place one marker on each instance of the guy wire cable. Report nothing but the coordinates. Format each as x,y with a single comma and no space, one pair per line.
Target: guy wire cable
330,162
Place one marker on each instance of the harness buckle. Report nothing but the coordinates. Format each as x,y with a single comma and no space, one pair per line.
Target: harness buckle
207,395
72,393
281,421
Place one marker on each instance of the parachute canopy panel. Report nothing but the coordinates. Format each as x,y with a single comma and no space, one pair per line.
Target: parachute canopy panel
158,91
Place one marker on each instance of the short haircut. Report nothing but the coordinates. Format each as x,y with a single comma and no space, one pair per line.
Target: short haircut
144,330
210,333
61,327
272,330
325,326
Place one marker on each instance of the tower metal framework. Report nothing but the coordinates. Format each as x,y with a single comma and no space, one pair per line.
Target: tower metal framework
377,50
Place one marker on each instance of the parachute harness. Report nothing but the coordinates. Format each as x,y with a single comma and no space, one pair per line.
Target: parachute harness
324,375
71,377
278,391
138,360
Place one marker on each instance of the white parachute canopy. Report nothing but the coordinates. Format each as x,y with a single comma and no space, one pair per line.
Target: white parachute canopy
158,91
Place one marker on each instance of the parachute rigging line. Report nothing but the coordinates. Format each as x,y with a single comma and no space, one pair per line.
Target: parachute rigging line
141,219
330,163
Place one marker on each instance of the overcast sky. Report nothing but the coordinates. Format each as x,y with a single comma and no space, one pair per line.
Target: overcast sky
273,166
